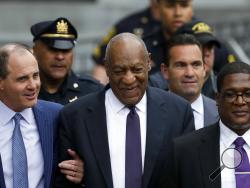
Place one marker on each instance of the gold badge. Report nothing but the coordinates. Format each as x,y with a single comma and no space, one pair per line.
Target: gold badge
62,27
202,28
231,58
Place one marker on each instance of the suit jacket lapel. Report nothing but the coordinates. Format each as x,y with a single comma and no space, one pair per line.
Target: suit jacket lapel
2,181
209,151
45,130
155,134
97,129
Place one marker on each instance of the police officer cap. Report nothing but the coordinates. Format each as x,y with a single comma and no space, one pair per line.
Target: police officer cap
202,31
59,34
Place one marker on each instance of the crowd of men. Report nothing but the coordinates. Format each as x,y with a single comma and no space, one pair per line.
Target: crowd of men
155,114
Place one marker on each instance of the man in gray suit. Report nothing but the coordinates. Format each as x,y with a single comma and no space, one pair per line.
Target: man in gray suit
184,69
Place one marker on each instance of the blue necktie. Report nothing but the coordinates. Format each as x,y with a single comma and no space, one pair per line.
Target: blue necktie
133,158
19,158
242,175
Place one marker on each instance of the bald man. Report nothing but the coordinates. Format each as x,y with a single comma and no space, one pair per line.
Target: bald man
124,132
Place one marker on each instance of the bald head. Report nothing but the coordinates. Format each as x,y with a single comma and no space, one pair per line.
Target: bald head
125,40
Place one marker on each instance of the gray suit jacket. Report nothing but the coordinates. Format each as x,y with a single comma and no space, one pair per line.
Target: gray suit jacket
211,115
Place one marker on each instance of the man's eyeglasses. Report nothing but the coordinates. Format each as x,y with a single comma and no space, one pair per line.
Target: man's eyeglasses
230,96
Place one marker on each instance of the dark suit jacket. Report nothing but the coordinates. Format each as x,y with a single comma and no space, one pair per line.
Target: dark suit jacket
83,128
196,156
211,115
46,116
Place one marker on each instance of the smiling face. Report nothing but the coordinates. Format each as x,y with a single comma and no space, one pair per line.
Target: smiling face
127,68
53,64
19,90
185,71
235,114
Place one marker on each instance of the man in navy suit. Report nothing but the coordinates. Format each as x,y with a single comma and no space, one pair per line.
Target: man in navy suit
36,129
185,71
96,127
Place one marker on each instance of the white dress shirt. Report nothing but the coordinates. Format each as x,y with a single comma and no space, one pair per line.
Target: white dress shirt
227,137
198,111
116,114
31,141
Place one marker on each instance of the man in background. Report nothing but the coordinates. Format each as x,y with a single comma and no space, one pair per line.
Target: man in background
54,41
185,72
204,34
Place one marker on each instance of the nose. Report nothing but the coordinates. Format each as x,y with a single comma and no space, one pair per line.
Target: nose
32,83
59,55
239,100
177,10
189,71
129,78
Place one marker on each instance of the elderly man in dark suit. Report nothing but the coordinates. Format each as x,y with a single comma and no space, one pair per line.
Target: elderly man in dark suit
124,132
198,154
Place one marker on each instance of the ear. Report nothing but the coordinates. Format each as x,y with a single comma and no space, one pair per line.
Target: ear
106,66
204,70
217,98
164,71
1,84
149,61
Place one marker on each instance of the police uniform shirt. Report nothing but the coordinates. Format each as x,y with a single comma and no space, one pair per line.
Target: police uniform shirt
156,45
222,56
71,89
140,23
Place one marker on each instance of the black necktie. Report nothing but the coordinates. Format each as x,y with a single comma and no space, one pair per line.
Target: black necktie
133,160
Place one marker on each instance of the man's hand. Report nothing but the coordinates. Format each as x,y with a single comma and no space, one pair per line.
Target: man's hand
73,169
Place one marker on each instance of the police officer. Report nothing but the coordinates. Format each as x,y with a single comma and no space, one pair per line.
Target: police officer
53,47
173,15
140,23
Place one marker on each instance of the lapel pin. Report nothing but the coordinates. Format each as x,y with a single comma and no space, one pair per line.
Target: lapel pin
73,99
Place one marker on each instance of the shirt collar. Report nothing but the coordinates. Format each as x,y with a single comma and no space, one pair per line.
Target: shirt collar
228,136
117,105
27,114
6,114
197,105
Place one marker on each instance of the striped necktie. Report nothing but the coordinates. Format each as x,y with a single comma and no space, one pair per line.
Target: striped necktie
19,158
242,172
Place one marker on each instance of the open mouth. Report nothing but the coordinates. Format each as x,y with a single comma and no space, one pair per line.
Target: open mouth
30,96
